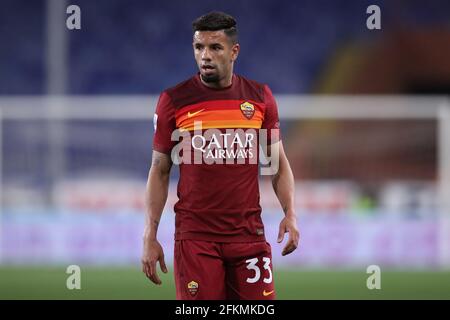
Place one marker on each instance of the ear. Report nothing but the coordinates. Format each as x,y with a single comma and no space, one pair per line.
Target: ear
235,51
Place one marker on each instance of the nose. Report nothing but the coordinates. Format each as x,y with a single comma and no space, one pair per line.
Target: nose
206,55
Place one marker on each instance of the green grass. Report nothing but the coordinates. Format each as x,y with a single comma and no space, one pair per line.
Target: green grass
130,283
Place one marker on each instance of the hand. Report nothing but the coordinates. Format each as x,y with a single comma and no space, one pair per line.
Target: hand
289,224
152,253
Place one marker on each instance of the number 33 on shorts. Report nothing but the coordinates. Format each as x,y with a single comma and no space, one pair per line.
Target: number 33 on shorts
251,265
251,276
261,276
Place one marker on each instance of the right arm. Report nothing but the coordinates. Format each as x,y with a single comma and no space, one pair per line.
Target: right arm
155,199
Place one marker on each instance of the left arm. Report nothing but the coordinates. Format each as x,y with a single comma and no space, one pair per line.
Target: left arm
283,185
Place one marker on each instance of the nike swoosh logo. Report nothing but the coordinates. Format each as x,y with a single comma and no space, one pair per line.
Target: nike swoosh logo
191,114
265,293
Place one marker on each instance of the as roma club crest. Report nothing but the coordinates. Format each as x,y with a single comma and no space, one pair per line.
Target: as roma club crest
248,110
192,288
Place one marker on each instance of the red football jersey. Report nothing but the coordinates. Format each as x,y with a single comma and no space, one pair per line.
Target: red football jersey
218,187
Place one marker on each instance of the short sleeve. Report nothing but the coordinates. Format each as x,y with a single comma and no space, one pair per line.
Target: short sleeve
271,121
164,124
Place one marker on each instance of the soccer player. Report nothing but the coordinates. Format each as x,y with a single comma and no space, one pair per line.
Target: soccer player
220,247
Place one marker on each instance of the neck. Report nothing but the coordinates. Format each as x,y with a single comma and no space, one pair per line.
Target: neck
222,83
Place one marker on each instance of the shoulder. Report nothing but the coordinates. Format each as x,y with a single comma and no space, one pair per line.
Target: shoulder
180,89
244,81
169,97
181,92
261,89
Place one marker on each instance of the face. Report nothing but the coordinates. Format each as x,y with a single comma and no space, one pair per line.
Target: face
215,54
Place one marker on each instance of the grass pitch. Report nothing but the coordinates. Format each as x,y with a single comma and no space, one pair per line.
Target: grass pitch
130,283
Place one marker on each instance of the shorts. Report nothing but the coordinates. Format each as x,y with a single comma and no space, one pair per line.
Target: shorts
207,270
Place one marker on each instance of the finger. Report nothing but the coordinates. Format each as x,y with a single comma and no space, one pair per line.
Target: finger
162,264
281,231
291,246
290,240
287,250
147,270
294,235
296,238
144,266
153,274
151,267
155,279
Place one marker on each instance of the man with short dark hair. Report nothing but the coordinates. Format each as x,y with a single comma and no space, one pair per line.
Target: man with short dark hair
222,119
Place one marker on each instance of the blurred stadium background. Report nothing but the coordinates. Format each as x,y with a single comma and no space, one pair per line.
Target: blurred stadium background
366,125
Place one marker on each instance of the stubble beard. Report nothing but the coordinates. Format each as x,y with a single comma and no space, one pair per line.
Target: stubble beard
213,78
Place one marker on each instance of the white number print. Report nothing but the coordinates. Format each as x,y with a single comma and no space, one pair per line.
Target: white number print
267,267
252,266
